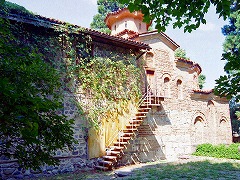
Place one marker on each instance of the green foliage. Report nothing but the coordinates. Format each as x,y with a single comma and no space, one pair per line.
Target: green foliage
187,14
181,53
234,107
218,151
110,84
31,130
31,98
104,7
238,114
13,8
228,85
201,80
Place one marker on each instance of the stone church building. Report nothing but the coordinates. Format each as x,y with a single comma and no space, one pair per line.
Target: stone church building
173,117
185,116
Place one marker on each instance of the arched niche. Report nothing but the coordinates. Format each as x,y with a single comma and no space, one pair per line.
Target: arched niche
166,82
149,59
223,130
179,89
199,130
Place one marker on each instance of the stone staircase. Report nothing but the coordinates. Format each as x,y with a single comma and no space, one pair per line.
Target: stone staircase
115,151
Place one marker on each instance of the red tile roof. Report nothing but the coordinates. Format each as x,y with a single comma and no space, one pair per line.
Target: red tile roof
162,34
38,20
200,91
126,31
187,61
116,12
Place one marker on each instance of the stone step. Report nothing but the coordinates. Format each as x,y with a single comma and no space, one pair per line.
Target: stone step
105,163
131,126
117,147
114,153
120,143
129,130
155,104
127,134
102,168
140,116
124,138
110,157
144,109
135,121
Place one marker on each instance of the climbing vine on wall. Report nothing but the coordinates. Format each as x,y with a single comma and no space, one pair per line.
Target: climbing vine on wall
37,69
109,84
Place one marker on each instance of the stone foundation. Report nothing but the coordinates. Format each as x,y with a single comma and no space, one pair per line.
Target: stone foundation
11,170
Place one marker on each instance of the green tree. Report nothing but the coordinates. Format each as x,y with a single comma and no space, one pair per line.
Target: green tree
238,114
234,115
201,80
181,53
30,128
104,7
188,14
229,85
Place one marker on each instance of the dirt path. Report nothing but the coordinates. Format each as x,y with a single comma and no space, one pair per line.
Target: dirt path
129,172
198,168
181,160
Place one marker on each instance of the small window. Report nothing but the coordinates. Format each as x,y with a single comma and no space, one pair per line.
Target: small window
115,27
166,87
179,89
140,26
125,24
166,80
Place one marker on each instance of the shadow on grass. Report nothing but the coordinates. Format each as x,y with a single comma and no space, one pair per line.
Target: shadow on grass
191,170
161,170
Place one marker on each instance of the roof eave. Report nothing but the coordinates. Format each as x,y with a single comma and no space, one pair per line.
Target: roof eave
52,23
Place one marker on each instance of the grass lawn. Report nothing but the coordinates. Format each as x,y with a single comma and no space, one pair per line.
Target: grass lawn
206,169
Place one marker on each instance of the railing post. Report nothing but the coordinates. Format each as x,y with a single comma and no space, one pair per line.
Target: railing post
119,139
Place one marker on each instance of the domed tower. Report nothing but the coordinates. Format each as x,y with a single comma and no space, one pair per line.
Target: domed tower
126,24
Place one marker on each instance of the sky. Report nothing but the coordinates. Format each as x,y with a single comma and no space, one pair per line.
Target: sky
203,46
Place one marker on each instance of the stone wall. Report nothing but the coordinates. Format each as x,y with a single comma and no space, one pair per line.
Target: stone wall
45,39
69,160
185,119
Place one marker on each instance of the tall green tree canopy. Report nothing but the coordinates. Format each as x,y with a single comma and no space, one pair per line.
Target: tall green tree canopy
229,84
188,14
30,129
104,7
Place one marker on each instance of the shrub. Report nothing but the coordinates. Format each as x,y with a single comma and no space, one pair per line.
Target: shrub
218,151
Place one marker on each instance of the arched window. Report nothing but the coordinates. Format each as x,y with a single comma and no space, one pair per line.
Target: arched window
179,89
212,110
140,26
115,27
198,119
125,24
149,59
166,87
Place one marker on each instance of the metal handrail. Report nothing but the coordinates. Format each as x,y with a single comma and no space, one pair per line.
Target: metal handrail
147,96
114,137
